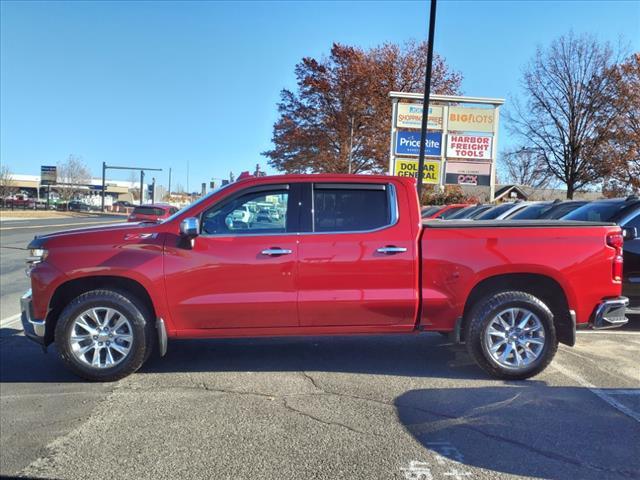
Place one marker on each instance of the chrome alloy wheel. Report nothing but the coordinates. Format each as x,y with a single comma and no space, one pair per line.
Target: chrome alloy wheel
101,337
514,338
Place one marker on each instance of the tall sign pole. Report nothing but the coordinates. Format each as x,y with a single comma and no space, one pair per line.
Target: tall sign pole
425,100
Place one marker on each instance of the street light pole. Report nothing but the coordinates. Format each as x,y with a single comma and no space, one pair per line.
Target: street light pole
425,100
351,145
104,172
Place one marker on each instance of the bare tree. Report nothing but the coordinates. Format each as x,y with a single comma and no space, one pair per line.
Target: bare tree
570,103
134,189
525,166
73,174
7,187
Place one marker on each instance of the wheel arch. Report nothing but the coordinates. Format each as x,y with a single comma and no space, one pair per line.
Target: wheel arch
541,286
71,289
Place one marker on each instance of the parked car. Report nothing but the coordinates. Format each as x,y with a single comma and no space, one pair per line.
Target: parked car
123,204
443,211
468,213
19,200
78,206
532,211
501,211
155,212
357,262
626,213
560,209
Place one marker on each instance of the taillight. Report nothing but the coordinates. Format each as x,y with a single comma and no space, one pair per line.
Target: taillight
616,241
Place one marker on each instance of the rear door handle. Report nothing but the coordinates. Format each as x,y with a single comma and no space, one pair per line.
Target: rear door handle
276,251
390,250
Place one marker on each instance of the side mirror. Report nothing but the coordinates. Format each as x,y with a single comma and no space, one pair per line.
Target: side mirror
629,233
190,227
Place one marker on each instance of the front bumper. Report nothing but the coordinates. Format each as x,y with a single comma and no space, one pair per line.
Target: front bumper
610,313
34,329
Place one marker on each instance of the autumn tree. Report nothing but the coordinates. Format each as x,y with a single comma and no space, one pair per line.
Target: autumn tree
338,119
570,103
623,147
72,175
525,166
7,187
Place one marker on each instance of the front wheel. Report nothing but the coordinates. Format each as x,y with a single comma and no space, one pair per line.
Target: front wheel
511,335
103,335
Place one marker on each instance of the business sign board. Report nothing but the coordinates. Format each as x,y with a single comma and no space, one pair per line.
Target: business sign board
409,168
463,119
408,143
461,178
48,175
469,168
473,147
410,116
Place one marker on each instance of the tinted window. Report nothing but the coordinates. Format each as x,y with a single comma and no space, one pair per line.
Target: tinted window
156,212
450,212
634,222
561,209
463,213
350,210
240,215
494,212
596,212
531,212
428,211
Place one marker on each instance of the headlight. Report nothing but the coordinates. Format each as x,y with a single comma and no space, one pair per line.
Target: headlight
36,256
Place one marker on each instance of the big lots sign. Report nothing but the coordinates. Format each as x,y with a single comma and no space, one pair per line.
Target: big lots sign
469,146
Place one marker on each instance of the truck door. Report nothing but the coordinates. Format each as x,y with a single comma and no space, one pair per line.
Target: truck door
241,271
358,264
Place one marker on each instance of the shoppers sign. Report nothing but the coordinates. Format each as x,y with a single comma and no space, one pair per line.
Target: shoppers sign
471,119
409,168
408,143
473,147
410,116
48,175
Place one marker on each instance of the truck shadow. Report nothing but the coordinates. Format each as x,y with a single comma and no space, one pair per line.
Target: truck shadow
426,355
527,429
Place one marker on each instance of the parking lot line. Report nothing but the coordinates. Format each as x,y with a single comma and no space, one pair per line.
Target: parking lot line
597,391
10,320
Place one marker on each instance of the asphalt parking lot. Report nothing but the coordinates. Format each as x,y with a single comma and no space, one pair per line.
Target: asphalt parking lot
323,408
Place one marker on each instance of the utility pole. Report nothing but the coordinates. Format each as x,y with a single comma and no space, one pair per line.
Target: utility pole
104,172
141,184
169,182
351,144
425,100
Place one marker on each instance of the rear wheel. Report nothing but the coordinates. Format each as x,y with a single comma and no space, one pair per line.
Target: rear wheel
104,335
511,335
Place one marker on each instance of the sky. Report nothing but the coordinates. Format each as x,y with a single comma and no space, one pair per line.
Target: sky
193,86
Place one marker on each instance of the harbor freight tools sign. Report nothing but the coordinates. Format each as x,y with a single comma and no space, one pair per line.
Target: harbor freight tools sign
408,143
48,175
463,119
410,116
473,147
409,168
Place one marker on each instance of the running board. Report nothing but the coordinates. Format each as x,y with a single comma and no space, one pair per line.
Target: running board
162,336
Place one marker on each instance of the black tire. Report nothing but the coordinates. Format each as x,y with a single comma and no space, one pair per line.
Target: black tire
141,329
480,316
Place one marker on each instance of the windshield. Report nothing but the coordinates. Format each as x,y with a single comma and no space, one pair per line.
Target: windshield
197,202
597,212
532,212
495,212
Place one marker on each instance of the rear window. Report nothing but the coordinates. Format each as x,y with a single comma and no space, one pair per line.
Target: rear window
350,209
531,212
448,213
156,212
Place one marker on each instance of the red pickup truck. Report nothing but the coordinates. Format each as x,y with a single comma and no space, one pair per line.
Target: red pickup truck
336,255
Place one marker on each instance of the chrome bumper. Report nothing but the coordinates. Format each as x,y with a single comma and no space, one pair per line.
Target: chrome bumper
610,314
33,328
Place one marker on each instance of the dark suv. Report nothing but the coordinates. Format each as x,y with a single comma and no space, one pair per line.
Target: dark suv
626,213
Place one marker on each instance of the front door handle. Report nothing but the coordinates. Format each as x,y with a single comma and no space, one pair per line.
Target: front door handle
390,250
276,251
